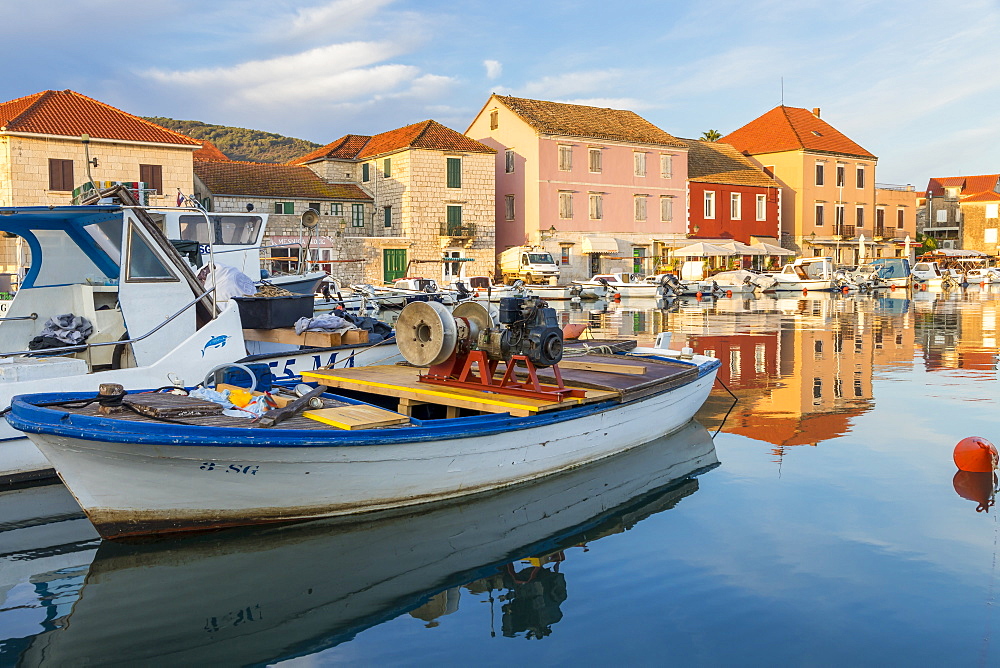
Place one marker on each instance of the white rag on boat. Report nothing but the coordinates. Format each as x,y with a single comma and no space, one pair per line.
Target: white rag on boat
257,406
327,322
228,281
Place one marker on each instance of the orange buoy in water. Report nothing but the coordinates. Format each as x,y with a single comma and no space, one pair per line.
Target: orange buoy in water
697,296
976,486
845,289
974,453
891,288
729,293
805,291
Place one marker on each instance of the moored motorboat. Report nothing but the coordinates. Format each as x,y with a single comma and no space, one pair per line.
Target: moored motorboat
622,285
806,273
737,282
133,474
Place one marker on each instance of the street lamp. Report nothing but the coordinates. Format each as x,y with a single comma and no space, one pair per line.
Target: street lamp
545,235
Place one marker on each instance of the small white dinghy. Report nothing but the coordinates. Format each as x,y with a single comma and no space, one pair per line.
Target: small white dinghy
397,437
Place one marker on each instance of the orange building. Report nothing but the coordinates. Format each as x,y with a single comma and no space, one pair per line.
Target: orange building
828,183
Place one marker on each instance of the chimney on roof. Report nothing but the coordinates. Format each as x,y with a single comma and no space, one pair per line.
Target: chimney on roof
816,112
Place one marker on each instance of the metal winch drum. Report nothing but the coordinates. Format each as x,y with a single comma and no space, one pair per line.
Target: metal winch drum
428,334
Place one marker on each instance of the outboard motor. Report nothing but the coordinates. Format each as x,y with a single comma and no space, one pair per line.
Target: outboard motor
463,292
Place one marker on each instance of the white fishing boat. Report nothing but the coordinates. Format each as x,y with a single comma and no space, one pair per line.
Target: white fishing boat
983,275
151,321
805,273
235,240
303,588
736,282
928,275
622,285
409,439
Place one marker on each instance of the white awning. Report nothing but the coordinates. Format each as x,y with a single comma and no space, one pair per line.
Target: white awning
599,245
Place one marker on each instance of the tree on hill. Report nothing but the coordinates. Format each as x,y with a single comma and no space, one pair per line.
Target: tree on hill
241,143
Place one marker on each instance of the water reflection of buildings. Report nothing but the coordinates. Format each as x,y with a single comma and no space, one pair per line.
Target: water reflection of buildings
802,366
957,330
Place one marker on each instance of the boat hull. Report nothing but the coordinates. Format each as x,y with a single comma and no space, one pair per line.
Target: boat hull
163,484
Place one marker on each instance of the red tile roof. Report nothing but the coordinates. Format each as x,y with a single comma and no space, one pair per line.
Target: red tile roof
969,185
715,162
426,134
792,129
982,197
209,151
67,113
256,179
576,120
346,148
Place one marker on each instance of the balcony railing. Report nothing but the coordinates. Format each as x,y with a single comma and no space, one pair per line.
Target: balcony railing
459,231
879,231
845,231
894,186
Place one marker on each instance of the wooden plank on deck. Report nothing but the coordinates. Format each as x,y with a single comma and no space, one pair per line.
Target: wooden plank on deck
356,417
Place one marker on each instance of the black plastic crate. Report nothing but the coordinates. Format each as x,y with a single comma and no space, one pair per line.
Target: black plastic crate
273,312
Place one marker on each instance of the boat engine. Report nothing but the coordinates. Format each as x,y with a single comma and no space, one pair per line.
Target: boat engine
453,344
428,335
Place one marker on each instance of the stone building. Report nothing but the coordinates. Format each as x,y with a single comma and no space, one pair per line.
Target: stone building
43,155
432,193
947,202
285,192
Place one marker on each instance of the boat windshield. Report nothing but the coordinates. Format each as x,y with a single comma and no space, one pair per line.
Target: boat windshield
229,230
108,235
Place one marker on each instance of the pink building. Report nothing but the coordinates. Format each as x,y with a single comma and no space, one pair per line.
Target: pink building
601,189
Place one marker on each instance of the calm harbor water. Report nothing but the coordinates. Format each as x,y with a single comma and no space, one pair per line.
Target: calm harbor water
823,525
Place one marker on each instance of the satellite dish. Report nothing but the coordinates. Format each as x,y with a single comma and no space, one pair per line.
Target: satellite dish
249,207
310,219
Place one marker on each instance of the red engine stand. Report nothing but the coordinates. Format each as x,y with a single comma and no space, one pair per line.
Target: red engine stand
458,371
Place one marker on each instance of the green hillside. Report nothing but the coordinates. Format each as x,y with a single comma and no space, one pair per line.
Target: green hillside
241,143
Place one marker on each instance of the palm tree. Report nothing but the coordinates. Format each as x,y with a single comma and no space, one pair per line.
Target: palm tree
711,135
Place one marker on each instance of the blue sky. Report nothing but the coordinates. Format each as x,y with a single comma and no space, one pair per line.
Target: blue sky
913,82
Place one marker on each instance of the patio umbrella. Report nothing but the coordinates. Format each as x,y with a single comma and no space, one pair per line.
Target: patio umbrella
907,242
702,249
771,249
861,249
741,248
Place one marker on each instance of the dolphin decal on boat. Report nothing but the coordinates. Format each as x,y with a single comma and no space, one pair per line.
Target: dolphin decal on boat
215,342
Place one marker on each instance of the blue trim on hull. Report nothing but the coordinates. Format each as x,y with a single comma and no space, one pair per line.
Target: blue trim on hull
30,418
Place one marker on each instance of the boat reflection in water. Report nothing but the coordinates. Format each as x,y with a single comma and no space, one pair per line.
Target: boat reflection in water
258,595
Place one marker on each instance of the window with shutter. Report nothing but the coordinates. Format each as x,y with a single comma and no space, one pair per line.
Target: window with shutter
640,163
666,209
365,172
508,207
596,206
284,207
666,166
640,207
358,215
60,174
861,176
454,218
565,205
819,173
387,168
596,165
494,119
152,176
509,161
859,217
899,218
761,207
565,158
840,175
819,215
454,172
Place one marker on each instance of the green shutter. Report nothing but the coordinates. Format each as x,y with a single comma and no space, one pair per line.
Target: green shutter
454,172
387,216
454,220
364,172
387,167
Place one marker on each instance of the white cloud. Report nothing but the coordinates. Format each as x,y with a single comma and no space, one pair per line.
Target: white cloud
335,18
571,84
494,68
